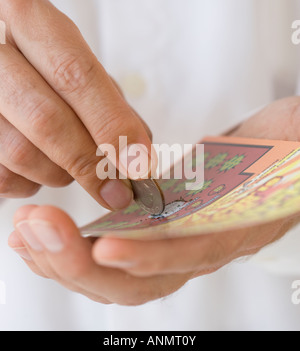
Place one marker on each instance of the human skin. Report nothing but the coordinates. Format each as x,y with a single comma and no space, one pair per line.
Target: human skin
133,272
57,105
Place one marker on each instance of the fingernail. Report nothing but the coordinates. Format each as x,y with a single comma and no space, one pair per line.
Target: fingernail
23,253
135,162
116,194
40,235
48,235
25,231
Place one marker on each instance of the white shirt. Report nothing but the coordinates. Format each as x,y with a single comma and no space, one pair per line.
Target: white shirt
190,68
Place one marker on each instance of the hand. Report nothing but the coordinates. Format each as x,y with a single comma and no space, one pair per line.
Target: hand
57,104
132,272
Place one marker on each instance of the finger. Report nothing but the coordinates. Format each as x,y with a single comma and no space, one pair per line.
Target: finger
20,156
18,244
205,253
168,256
31,250
15,242
15,186
70,256
71,69
179,255
37,259
42,117
148,130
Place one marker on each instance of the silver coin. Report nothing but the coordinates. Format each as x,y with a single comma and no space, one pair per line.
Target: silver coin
149,196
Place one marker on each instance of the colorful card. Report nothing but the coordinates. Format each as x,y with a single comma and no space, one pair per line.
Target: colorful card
247,182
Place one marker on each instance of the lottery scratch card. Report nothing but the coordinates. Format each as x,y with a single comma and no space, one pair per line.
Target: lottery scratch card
246,182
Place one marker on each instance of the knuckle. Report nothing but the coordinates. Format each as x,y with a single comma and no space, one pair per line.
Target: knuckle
114,124
81,167
72,71
44,118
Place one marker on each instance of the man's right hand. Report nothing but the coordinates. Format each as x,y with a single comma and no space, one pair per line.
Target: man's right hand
57,105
